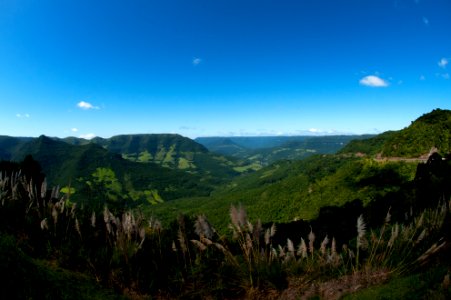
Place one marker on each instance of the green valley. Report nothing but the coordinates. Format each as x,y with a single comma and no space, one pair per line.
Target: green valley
166,216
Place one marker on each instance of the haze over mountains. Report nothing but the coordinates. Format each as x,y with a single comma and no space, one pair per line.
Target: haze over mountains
172,166
278,178
170,151
266,150
297,189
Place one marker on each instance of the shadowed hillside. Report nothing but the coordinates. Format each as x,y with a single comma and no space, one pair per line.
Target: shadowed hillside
168,150
77,166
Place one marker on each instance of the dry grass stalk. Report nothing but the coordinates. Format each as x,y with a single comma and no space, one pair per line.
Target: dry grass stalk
273,229
302,249
267,236
44,224
394,235
203,228
77,226
54,215
324,245
182,241
44,188
446,282
199,245
361,230
311,241
432,250
93,219
238,217
55,193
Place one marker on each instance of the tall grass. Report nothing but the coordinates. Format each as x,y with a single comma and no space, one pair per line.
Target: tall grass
134,254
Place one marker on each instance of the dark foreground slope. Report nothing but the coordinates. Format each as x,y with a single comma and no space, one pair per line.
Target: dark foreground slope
51,248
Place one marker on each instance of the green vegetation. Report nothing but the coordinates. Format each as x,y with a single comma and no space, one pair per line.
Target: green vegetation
432,130
294,190
63,247
172,151
263,151
78,166
432,284
147,216
371,146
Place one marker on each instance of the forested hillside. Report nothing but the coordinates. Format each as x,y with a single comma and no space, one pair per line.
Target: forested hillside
293,190
63,250
168,150
350,219
87,167
432,130
262,151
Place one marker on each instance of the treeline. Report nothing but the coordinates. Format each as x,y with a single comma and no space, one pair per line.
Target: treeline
432,130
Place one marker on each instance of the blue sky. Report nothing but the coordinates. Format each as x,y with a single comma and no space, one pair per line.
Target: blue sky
224,67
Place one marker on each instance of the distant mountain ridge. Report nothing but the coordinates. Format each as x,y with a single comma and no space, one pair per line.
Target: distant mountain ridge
68,164
297,189
267,150
177,167
167,150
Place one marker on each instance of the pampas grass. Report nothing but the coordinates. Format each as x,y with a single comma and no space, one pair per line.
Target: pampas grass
114,250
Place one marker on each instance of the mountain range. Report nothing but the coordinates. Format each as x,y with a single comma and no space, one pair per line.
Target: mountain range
265,150
169,165
324,194
283,178
377,169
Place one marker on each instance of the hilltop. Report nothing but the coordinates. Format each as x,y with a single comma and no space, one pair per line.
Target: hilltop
169,165
430,131
167,150
297,189
76,165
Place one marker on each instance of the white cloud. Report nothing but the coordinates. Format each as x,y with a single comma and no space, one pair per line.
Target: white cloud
422,77
87,136
22,115
86,105
373,81
314,130
74,129
443,63
442,75
196,61
425,21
